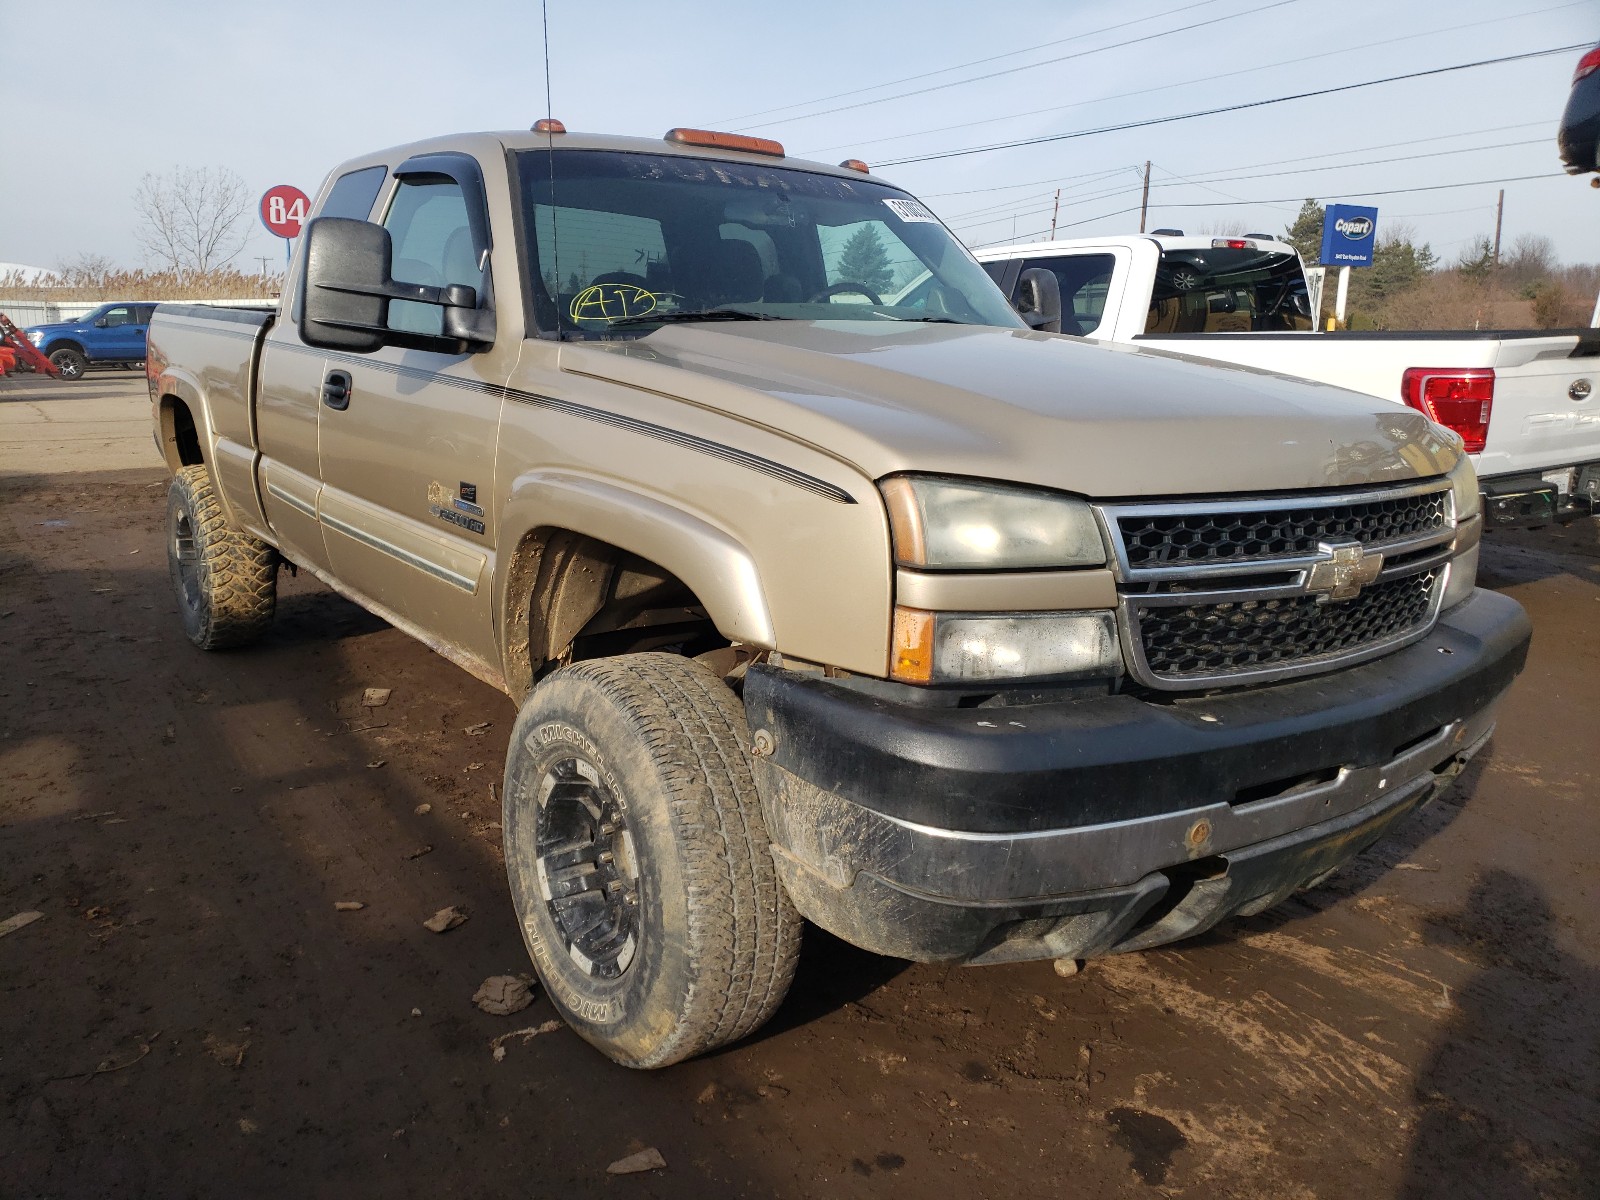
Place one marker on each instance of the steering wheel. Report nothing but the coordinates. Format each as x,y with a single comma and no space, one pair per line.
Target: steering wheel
844,285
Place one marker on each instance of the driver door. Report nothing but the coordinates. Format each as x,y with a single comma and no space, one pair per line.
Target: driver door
407,452
121,337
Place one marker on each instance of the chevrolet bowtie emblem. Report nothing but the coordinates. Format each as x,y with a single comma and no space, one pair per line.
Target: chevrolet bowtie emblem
1341,576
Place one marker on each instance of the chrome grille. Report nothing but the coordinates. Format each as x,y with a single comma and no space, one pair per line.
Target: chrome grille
1174,539
1207,640
1219,592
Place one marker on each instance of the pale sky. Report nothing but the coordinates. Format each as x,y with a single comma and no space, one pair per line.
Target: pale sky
282,92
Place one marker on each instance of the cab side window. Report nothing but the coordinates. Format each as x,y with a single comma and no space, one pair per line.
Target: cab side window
1085,280
433,245
122,315
352,196
354,193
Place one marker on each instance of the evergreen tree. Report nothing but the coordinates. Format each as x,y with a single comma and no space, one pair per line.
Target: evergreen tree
1398,265
865,261
1305,235
1477,260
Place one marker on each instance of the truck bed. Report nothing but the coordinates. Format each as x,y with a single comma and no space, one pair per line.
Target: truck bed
215,353
1536,424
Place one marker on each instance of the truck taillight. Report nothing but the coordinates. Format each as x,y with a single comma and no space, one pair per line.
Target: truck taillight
1587,65
1459,398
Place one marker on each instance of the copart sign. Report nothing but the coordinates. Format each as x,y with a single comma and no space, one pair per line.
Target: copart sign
1348,234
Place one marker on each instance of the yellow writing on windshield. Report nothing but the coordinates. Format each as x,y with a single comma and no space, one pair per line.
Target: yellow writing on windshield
608,301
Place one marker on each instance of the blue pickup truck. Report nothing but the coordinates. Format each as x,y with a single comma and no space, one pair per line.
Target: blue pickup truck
112,334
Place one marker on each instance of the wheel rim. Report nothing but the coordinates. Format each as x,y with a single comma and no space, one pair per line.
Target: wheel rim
588,872
186,553
69,368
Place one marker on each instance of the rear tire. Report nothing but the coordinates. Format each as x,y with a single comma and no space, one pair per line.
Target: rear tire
639,864
71,363
226,581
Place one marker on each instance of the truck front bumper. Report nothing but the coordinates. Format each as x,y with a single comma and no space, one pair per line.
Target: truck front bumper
1112,823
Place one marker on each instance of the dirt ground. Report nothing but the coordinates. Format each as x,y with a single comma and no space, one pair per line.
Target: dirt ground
192,1017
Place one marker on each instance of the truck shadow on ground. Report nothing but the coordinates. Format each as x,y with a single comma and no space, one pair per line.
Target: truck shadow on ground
1510,557
186,823
1536,1006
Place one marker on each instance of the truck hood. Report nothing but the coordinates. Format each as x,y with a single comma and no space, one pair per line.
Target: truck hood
55,327
1102,421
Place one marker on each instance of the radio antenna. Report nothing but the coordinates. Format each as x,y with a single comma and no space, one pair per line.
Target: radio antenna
550,142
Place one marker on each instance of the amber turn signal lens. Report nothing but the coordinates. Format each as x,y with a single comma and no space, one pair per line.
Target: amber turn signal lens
911,656
725,141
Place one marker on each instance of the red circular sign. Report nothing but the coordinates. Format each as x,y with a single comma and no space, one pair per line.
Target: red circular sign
284,210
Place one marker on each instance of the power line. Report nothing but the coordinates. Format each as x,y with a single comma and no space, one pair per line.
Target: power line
1227,108
939,87
1065,189
1144,91
977,62
1443,137
1031,183
1371,162
1436,187
961,218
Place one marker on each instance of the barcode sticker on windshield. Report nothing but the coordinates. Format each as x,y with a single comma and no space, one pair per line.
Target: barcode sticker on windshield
910,210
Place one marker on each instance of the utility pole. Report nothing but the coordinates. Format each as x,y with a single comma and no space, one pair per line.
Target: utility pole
1499,214
1144,202
262,259
1056,212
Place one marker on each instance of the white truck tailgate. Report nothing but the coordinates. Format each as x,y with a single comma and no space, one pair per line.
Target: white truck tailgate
1546,411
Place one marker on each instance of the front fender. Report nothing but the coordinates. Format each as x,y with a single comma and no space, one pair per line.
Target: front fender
63,341
709,561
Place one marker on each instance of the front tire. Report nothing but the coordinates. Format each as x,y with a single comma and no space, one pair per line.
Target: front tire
70,363
639,864
226,581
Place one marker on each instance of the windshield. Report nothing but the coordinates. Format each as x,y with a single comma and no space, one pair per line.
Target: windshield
632,241
1228,291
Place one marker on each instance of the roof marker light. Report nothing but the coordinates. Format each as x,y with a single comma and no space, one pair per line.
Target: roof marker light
548,125
725,141
855,164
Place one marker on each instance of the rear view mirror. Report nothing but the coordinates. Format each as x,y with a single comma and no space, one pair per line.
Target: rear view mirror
348,288
100,324
1039,299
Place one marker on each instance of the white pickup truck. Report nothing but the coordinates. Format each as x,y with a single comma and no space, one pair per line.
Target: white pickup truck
1524,403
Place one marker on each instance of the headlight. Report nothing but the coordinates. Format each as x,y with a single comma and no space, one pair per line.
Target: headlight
965,525
1464,489
987,647
36,336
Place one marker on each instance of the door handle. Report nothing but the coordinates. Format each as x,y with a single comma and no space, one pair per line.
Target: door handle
336,390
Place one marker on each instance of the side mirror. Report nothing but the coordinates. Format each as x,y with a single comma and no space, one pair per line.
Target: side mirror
100,324
1039,299
348,288
346,303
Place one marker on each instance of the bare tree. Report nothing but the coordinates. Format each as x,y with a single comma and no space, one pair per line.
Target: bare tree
1532,253
192,219
84,268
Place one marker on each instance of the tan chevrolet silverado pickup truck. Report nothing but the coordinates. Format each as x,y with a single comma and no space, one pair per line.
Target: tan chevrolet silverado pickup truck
963,641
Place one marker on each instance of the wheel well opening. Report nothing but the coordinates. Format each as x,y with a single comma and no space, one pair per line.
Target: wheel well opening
575,597
179,435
